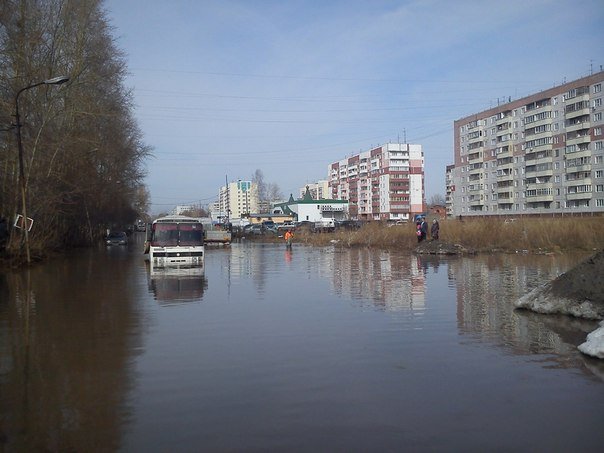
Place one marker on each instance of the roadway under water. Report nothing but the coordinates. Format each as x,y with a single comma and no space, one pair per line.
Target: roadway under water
311,349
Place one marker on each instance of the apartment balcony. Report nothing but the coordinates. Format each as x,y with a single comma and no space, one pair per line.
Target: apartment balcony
576,113
579,168
540,198
540,185
504,177
476,202
578,126
579,196
579,154
504,186
399,208
578,140
579,181
540,173
502,197
538,123
533,155
473,156
476,171
542,160
539,135
505,118
536,148
475,139
504,154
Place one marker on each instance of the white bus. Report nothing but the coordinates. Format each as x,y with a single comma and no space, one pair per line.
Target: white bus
175,241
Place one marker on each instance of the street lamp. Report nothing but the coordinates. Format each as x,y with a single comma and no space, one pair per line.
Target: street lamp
54,81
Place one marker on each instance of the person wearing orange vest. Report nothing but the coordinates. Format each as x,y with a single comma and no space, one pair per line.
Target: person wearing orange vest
289,237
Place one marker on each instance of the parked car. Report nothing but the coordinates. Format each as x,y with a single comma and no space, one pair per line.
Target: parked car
287,225
305,225
325,225
117,238
254,230
348,224
258,229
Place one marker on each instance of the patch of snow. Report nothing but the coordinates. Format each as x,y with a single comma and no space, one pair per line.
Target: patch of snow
543,300
594,343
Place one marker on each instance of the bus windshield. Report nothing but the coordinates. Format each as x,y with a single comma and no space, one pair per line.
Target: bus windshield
190,234
172,234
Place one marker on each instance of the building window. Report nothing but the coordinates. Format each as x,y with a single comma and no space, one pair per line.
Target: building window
597,88
600,202
599,173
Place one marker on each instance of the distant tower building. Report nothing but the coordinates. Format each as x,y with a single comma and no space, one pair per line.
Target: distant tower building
385,183
542,154
238,199
319,190
181,209
449,188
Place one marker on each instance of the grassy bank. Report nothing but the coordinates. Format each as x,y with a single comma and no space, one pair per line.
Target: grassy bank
481,235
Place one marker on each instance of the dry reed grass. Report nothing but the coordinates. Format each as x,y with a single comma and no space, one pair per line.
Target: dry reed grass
481,235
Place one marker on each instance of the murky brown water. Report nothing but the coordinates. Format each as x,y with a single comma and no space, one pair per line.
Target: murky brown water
313,349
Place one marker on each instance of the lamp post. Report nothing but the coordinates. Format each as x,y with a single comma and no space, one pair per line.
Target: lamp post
54,81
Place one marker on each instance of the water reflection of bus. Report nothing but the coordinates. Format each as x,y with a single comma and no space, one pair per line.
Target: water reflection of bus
177,284
175,241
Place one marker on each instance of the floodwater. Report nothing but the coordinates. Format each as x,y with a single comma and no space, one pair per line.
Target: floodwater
314,349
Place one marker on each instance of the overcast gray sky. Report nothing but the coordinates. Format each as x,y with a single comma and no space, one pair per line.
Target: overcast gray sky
223,88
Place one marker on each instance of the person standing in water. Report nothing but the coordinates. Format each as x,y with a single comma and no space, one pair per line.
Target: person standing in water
289,237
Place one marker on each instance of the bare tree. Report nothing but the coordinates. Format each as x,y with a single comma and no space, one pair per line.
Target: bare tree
273,192
258,179
437,199
83,151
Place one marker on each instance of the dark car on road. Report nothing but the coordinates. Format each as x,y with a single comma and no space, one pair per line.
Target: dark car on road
117,238
348,225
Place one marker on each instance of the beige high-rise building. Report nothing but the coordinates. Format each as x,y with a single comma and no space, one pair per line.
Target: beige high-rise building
542,154
238,199
319,190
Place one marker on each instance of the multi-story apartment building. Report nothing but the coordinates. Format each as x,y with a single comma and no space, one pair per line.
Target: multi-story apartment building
181,209
540,154
449,188
238,199
384,183
319,190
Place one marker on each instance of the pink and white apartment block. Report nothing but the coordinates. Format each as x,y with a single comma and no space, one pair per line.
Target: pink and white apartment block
385,183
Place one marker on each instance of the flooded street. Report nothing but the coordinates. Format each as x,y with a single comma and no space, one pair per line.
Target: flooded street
302,350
